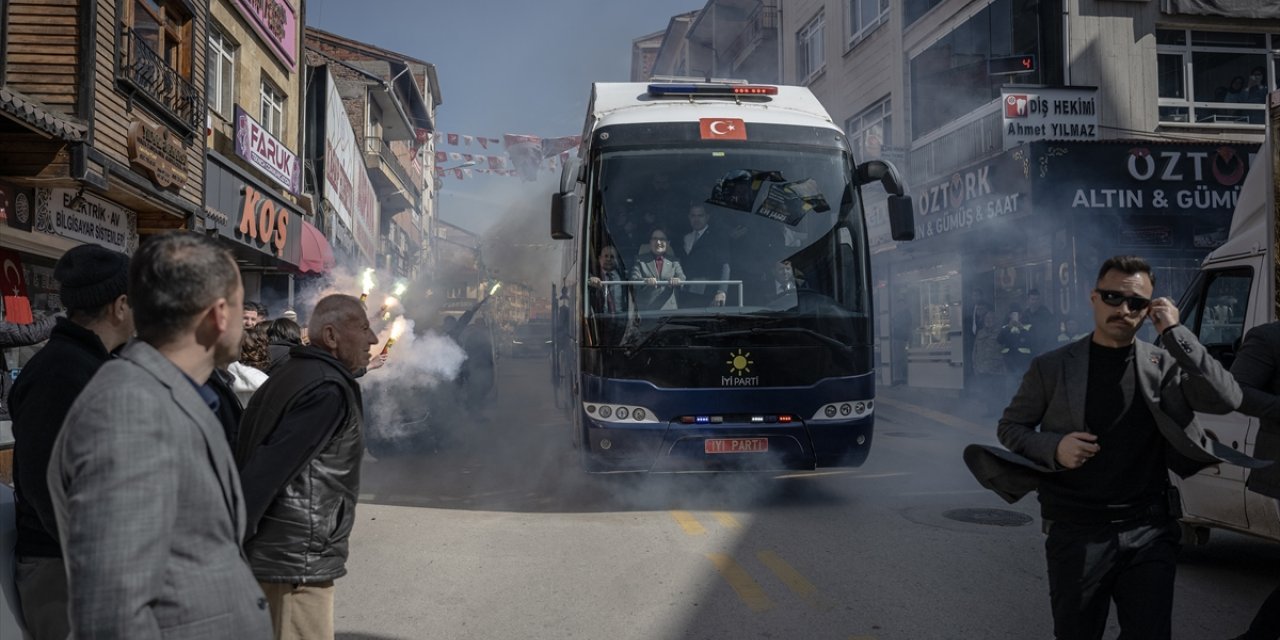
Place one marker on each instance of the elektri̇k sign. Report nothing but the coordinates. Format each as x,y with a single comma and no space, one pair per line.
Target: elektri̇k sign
1033,113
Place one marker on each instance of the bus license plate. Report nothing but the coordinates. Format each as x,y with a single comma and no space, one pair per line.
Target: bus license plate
736,445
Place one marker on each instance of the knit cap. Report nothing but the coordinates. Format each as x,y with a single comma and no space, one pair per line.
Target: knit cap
91,277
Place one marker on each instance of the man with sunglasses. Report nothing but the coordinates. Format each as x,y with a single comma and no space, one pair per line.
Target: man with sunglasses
1095,427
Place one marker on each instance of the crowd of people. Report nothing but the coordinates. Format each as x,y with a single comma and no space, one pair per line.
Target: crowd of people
184,465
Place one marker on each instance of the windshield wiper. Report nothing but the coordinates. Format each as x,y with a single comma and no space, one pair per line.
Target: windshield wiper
771,330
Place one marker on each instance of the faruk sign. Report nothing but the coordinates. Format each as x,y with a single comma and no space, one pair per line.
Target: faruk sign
1049,114
276,23
266,153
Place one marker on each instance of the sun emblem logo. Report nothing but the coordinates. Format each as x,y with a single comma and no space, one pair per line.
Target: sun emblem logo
739,362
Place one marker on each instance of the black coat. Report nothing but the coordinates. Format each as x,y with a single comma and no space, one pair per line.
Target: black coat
1257,370
39,401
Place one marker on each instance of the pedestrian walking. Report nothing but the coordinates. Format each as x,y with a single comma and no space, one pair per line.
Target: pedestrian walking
988,365
299,452
148,505
1095,427
1257,369
92,282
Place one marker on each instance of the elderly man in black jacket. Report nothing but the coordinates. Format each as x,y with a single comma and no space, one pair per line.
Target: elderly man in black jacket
93,282
299,450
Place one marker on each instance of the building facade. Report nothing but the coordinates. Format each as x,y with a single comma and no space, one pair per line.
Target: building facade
390,101
255,198
958,92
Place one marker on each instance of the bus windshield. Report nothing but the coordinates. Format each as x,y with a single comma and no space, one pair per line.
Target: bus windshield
765,240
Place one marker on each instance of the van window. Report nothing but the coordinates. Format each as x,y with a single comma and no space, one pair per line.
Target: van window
1215,310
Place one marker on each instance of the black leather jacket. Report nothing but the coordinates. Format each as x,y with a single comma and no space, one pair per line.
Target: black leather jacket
302,536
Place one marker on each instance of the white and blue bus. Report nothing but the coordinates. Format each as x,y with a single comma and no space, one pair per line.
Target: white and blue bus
749,344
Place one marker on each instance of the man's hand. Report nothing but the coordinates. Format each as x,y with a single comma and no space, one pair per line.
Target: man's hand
1076,448
651,281
719,299
675,282
593,281
1164,314
376,361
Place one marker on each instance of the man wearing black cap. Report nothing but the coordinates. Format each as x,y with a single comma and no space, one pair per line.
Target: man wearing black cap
93,282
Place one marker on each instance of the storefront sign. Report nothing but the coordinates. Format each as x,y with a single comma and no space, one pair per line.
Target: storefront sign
158,152
1049,114
244,210
977,196
346,181
266,153
85,217
277,24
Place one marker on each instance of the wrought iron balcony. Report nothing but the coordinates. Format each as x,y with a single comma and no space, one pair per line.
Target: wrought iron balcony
762,23
148,73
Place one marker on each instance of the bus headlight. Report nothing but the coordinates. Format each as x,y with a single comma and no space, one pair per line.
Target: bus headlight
845,410
620,413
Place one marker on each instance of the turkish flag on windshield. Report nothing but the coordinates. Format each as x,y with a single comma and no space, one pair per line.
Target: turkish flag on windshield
723,129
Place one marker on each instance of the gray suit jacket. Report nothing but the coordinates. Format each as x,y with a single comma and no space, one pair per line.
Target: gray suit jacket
1174,382
659,296
149,510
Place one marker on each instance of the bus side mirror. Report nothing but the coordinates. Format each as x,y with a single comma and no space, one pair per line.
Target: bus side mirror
902,223
562,204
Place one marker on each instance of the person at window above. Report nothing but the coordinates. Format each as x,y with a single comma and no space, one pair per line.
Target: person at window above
657,265
1236,91
1256,89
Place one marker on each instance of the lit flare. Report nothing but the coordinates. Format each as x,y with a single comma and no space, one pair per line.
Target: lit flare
366,284
385,311
495,287
397,329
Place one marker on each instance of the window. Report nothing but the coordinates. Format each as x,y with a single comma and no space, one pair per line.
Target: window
1214,77
871,131
809,53
272,110
913,10
1215,310
221,73
951,78
166,29
865,16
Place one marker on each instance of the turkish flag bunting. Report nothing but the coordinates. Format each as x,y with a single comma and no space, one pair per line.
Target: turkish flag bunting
723,129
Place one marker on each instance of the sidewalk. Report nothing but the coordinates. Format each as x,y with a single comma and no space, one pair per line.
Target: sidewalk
951,407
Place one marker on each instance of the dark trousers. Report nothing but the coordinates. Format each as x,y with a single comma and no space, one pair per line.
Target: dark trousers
1131,563
1266,624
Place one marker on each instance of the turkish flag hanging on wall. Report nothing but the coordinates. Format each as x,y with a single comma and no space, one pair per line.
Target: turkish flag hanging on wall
13,289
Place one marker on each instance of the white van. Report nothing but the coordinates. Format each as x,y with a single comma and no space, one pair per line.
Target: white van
1234,292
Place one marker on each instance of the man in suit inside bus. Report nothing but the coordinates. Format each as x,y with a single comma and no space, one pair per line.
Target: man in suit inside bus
705,257
607,298
661,273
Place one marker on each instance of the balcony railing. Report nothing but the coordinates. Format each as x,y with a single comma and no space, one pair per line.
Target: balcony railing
162,85
762,22
379,147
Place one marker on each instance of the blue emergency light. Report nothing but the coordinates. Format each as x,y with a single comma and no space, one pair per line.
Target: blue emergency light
711,89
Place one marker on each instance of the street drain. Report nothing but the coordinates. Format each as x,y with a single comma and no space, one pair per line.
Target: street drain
905,434
991,517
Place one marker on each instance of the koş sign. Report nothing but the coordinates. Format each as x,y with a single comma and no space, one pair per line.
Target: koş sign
1049,114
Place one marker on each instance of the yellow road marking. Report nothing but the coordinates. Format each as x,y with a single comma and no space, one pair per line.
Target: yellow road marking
727,519
987,431
689,523
747,589
794,581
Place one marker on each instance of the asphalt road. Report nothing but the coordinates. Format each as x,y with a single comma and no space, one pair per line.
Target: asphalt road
497,534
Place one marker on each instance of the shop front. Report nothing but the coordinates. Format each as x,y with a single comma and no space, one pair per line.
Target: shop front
265,232
1042,217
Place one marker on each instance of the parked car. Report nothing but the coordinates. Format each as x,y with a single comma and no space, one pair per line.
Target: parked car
532,339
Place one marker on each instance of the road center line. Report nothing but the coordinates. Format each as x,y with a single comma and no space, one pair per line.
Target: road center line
689,523
798,584
748,590
727,520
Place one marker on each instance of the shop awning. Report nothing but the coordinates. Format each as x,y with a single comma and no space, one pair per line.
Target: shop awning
317,255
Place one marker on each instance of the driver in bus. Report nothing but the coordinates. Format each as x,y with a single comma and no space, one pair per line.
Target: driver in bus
657,265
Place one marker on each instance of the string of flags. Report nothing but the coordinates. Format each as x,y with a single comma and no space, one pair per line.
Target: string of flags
511,155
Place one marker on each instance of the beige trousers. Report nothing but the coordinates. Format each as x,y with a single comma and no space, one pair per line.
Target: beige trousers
300,611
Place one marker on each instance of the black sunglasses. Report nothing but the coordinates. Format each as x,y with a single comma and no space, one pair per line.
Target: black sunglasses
1115,299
